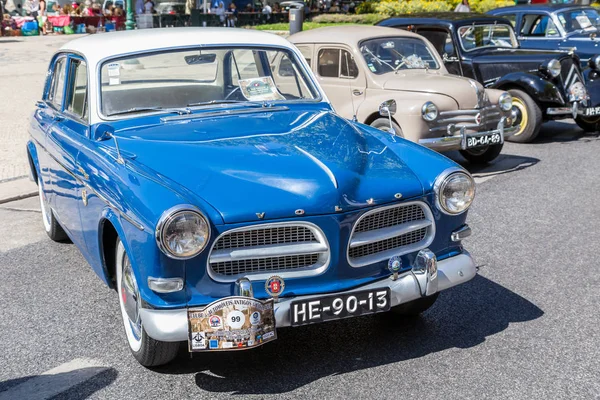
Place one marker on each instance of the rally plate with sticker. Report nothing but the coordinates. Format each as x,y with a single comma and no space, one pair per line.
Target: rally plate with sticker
231,323
340,306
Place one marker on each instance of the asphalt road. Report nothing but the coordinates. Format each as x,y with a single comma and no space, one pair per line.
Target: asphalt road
525,328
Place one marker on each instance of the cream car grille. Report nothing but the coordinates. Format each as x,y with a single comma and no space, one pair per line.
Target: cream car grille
291,249
389,231
472,119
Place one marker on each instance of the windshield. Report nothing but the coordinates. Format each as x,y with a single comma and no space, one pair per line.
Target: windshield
474,37
577,20
393,54
178,80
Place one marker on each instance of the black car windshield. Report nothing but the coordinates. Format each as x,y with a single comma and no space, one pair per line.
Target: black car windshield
474,37
393,54
579,20
179,80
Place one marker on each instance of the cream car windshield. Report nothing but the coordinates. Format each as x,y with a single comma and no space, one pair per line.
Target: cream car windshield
474,37
178,81
385,55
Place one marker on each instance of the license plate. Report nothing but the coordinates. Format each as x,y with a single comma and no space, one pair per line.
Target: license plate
231,323
485,140
328,308
592,111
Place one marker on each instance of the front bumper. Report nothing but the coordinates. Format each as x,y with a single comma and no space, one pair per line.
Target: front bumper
459,141
577,108
172,325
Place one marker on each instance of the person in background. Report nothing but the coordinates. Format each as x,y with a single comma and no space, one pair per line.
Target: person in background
214,5
463,6
267,11
221,12
231,15
42,17
148,7
249,8
139,7
334,8
276,8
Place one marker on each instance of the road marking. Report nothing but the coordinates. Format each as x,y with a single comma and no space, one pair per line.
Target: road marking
55,381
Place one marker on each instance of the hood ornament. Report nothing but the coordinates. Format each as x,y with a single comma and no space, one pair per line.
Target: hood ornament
370,201
260,215
398,195
299,211
338,208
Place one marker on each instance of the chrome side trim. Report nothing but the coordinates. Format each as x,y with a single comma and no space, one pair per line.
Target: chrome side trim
269,251
383,234
172,325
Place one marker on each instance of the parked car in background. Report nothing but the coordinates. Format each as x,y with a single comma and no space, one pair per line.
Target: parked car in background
545,85
359,67
224,202
170,8
556,27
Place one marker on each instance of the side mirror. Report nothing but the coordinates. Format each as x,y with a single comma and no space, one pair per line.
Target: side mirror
103,132
387,108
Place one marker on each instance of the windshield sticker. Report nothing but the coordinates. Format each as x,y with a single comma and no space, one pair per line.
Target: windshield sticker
584,21
114,81
562,20
113,69
372,67
260,89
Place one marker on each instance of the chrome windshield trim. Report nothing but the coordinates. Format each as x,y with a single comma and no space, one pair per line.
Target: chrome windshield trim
224,113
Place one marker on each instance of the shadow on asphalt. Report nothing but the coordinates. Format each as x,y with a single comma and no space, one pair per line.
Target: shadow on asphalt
563,132
505,163
99,380
463,317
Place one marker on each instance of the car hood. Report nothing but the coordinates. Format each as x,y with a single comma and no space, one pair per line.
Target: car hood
462,90
282,164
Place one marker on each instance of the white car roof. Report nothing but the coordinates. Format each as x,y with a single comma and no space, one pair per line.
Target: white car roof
98,47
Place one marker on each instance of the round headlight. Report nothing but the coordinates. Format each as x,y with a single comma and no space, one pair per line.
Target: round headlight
182,233
455,191
552,67
594,62
505,101
429,111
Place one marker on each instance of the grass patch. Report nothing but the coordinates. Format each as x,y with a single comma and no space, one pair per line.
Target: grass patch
284,26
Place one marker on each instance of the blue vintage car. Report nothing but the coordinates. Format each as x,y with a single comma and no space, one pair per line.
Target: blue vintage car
223,199
555,27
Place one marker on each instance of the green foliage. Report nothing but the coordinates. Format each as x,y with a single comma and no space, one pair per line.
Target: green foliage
391,8
368,19
366,7
483,6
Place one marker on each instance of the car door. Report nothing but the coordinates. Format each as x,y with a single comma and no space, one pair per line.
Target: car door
64,139
538,31
341,78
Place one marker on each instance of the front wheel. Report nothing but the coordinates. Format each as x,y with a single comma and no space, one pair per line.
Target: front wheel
147,351
415,307
384,125
588,125
527,114
482,155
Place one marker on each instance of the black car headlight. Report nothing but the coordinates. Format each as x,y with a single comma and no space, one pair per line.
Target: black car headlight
182,232
551,68
594,62
454,190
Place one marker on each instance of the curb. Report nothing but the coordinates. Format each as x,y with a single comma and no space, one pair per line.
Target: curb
17,189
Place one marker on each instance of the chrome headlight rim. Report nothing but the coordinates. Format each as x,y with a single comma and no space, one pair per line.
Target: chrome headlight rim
552,68
425,110
167,217
505,99
594,62
440,183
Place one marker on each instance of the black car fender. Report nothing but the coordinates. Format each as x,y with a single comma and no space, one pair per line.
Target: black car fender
541,90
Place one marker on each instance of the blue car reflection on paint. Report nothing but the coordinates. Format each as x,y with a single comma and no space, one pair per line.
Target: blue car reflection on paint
182,187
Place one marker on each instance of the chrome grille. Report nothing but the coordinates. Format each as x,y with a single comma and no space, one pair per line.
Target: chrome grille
265,237
265,264
490,116
390,217
388,231
289,249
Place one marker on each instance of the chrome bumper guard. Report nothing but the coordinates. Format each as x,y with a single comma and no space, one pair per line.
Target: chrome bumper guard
459,142
172,325
575,110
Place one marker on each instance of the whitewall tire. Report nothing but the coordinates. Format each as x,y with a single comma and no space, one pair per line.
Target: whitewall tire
51,225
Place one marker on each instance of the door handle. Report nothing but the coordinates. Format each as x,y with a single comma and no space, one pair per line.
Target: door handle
357,92
58,118
41,104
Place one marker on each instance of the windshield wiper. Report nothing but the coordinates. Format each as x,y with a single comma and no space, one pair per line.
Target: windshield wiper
215,102
179,111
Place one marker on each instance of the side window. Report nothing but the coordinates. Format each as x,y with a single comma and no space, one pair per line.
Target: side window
77,89
55,95
441,40
538,26
336,63
329,63
285,67
307,53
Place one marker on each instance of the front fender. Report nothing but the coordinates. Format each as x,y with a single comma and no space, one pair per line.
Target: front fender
540,89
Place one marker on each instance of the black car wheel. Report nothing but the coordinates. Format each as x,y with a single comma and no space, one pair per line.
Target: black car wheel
588,125
482,155
415,307
527,114
384,125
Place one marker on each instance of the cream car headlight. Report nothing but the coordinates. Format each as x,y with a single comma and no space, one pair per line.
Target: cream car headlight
455,191
182,232
429,111
505,101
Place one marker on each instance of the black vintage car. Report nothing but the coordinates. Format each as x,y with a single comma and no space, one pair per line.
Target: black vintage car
545,85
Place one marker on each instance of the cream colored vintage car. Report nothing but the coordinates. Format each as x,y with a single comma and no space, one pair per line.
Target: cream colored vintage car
361,67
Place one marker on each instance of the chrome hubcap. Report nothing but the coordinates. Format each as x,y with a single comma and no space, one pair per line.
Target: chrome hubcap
130,297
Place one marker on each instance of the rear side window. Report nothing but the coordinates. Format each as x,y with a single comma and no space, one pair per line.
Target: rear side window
336,63
538,26
55,95
78,89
